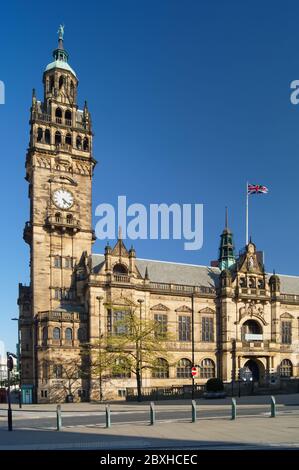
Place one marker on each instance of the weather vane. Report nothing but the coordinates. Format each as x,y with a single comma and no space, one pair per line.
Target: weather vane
60,31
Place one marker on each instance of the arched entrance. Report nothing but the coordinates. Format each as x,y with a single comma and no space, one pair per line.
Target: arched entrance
254,367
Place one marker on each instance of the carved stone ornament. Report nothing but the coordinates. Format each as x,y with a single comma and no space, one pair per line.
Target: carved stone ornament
252,310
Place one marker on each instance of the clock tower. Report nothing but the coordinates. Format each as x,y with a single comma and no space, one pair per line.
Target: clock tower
59,169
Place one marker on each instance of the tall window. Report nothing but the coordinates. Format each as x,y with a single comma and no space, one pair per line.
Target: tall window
286,368
45,333
184,328
207,329
68,139
68,334
39,134
119,325
47,136
207,369
161,330
183,370
68,262
161,369
81,334
57,371
57,137
57,262
286,332
56,333
45,370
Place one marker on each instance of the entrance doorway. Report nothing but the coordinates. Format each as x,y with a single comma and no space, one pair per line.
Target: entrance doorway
254,368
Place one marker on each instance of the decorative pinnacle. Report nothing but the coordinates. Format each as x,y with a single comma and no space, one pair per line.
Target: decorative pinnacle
60,33
226,217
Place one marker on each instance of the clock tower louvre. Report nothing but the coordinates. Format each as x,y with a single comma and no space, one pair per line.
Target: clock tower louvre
59,169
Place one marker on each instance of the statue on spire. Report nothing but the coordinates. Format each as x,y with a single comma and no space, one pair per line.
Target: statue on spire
60,32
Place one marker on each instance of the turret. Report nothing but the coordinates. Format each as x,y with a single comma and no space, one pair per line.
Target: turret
226,250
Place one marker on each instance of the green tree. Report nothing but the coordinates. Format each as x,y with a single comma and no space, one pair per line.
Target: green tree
137,344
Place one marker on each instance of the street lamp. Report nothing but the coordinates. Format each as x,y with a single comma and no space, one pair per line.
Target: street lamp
19,360
139,353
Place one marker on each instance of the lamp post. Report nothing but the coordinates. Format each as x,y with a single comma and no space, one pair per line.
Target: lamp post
192,340
10,366
100,298
139,352
19,360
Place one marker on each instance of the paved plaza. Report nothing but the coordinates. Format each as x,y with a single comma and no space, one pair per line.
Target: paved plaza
83,425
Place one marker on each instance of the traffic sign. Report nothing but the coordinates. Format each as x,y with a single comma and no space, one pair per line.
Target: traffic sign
194,371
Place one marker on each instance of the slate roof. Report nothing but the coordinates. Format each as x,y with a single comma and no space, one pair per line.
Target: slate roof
189,274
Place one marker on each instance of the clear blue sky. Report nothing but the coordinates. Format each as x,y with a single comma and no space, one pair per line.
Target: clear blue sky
188,99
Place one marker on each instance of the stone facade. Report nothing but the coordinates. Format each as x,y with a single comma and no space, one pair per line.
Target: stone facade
241,315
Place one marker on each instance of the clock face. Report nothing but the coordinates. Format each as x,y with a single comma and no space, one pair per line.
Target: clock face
63,198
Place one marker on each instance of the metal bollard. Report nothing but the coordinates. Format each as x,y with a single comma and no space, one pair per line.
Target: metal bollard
193,409
58,418
108,416
234,408
152,413
273,407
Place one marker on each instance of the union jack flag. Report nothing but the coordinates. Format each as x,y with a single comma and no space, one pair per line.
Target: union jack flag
256,189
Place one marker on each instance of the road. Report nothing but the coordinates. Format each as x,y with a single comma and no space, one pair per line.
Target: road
43,418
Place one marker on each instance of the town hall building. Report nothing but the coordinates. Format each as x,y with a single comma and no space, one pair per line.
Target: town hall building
240,315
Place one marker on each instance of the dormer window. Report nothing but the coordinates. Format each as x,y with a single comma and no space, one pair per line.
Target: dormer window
120,269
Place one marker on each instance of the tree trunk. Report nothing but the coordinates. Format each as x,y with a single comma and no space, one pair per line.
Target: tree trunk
138,378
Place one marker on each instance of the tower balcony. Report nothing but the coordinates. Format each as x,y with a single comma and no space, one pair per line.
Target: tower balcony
63,222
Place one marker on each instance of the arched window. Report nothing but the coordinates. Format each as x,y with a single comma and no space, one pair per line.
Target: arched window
56,333
85,144
58,113
45,333
286,368
68,139
161,369
207,369
251,331
58,217
121,369
69,334
120,269
57,371
61,81
252,283
79,142
57,138
81,334
68,117
72,88
39,134
69,219
47,136
242,282
51,85
183,370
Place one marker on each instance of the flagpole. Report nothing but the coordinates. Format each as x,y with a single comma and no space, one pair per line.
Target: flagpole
247,213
